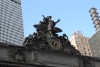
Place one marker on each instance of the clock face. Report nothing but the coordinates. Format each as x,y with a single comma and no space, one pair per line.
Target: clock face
55,44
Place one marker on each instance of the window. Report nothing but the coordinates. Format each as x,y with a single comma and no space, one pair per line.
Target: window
88,50
85,53
10,36
19,3
89,53
76,42
83,47
81,40
4,28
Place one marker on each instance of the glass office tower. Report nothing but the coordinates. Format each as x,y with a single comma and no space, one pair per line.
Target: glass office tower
11,22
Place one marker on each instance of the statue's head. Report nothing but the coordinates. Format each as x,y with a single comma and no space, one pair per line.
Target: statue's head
30,35
49,17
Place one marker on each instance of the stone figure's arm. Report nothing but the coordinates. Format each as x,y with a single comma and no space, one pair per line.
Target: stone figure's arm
57,21
43,16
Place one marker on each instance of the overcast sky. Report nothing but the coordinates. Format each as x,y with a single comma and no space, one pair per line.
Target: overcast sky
74,14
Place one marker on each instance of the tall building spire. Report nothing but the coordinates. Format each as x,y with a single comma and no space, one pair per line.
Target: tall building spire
95,18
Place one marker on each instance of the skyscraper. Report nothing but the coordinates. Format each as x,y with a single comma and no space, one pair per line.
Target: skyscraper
94,41
80,42
11,23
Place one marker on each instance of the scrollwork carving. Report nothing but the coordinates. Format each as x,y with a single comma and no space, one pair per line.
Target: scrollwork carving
16,54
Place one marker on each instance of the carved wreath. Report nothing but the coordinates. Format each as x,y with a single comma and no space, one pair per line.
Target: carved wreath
16,54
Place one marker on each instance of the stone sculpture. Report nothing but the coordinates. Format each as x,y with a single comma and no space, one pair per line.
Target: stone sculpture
46,37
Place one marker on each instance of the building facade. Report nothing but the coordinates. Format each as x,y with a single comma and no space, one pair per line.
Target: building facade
80,42
94,43
26,57
11,23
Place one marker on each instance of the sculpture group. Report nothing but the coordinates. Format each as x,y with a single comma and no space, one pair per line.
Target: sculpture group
46,38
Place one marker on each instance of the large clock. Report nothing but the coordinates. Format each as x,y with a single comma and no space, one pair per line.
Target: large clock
55,44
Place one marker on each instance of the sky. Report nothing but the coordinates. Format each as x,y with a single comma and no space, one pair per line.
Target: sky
74,15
